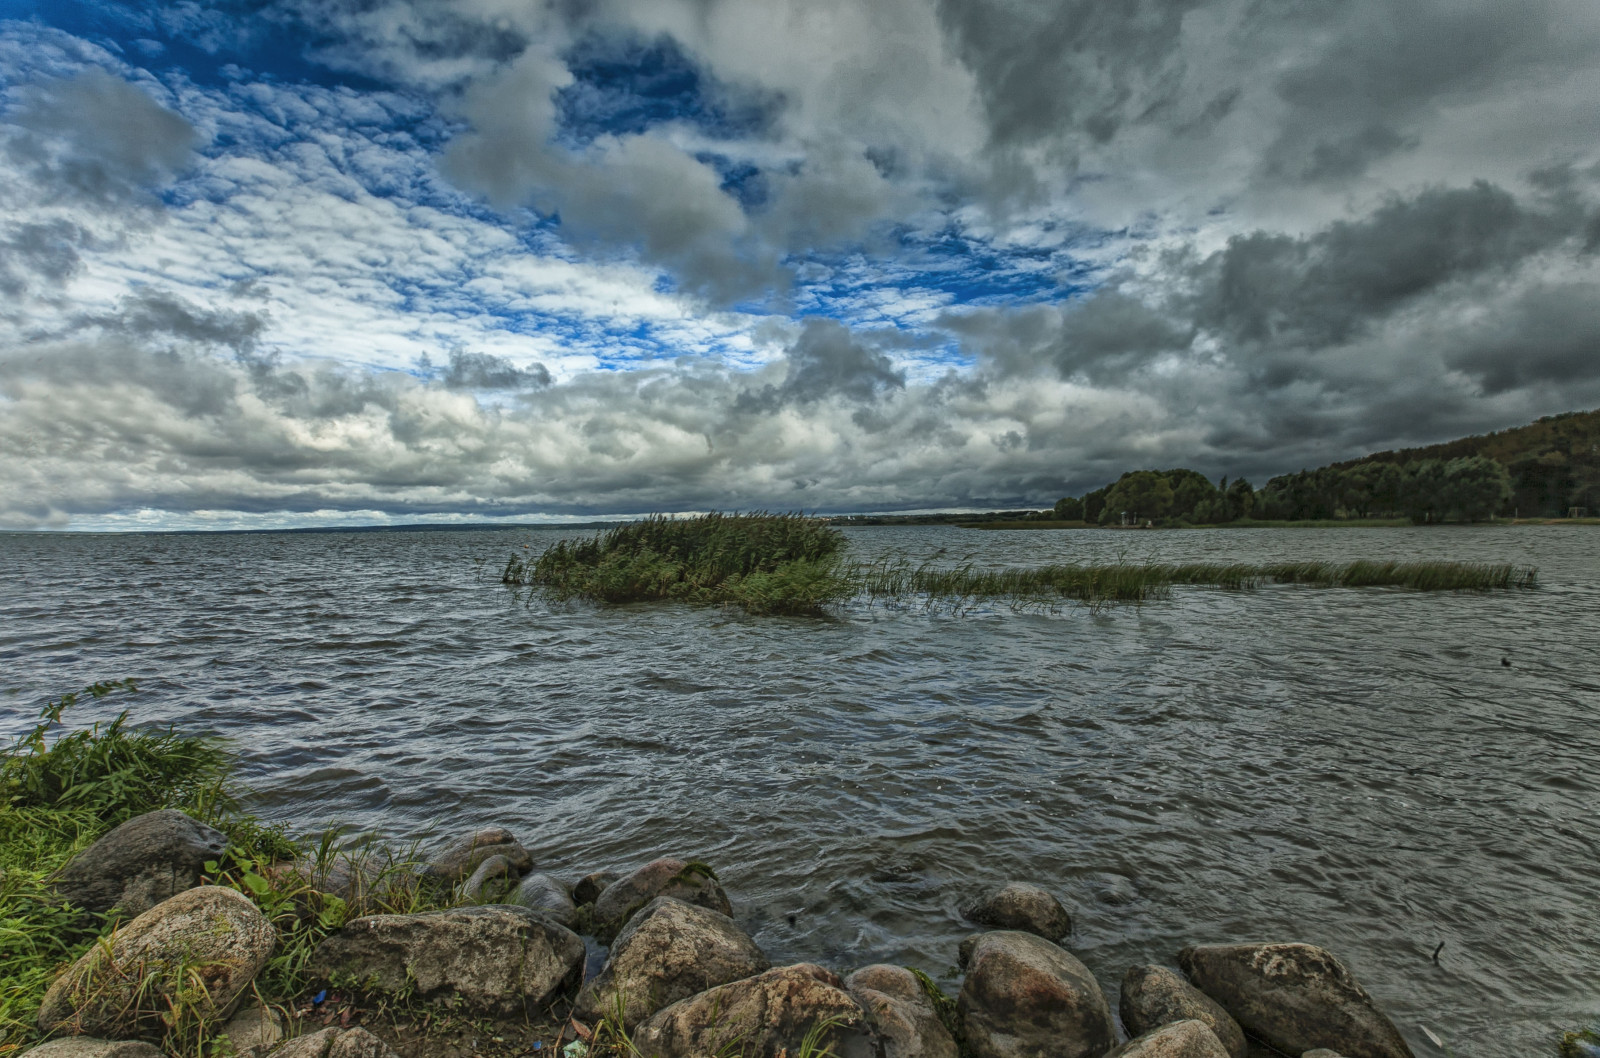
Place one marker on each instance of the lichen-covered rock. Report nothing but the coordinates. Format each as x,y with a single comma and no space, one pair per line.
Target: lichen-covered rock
543,893
336,1043
253,1032
495,958
1020,906
494,879
141,863
89,1047
669,951
590,886
1025,997
762,1017
1294,997
693,883
462,856
1178,1039
901,1012
1153,996
121,988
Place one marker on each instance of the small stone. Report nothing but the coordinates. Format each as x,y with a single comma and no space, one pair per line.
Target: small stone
463,855
495,958
543,893
139,864
762,1017
590,886
336,1043
1294,997
1322,1052
1020,906
492,880
121,989
693,883
1026,997
669,951
254,1031
1179,1039
1153,996
902,1012
89,1047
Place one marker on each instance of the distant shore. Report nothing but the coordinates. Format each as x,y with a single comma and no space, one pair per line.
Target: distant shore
1252,523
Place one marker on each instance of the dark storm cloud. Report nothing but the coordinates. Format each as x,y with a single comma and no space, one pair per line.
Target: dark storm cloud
97,138
150,314
827,360
486,371
40,250
1548,336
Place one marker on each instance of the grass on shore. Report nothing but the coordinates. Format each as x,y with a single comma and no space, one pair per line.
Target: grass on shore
789,564
59,796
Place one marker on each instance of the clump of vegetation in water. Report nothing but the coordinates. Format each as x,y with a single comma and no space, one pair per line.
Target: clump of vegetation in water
766,563
59,795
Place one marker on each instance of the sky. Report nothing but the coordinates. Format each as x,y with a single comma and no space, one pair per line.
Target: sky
316,262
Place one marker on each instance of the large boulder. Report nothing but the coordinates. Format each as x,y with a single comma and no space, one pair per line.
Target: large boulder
543,893
1153,996
336,1043
1020,906
496,958
693,883
1293,997
121,988
89,1047
141,863
762,1017
460,857
669,951
1179,1039
1027,998
902,1012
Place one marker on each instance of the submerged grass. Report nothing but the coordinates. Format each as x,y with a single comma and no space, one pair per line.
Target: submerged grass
790,564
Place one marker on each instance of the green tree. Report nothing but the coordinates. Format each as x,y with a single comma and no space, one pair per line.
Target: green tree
1094,504
1475,488
1144,494
1069,509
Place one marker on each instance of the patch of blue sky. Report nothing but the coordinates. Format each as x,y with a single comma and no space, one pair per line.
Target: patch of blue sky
626,85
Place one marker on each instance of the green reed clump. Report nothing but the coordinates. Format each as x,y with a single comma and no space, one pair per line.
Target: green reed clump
766,563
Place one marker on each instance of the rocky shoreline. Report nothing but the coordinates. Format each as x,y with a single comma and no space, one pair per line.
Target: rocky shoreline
503,973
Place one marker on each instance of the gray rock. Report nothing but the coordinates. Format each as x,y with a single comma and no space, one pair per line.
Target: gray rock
336,1043
669,951
494,958
693,883
1322,1052
543,893
121,989
1025,997
964,949
1179,1039
463,855
762,1017
1018,905
1294,997
254,1031
495,878
1153,996
140,863
89,1047
590,886
901,1012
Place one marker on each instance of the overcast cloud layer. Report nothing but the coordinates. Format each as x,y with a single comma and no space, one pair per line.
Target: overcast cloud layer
273,262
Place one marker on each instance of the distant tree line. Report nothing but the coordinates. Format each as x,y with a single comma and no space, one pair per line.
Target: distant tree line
1467,489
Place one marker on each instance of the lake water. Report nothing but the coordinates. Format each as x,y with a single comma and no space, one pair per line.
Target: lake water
1356,769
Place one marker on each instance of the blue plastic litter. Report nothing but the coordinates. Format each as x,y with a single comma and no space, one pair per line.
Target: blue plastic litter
319,997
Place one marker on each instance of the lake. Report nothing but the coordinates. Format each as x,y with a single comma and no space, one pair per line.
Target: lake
1352,768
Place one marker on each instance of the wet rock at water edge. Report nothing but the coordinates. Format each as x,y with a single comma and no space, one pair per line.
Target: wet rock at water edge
494,879
1025,997
141,863
497,959
1179,1039
1294,997
668,951
463,855
762,1017
122,988
336,1043
89,1047
902,1012
1153,996
590,886
543,893
1020,906
693,883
